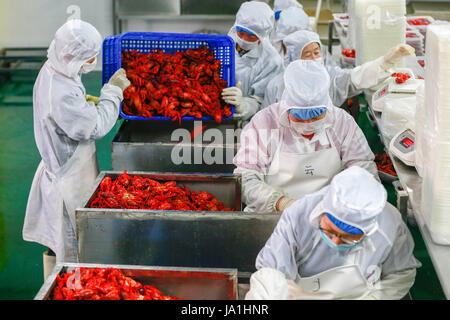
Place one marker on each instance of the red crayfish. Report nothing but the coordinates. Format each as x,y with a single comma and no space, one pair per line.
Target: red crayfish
186,83
419,22
411,35
351,53
384,164
102,284
138,192
401,77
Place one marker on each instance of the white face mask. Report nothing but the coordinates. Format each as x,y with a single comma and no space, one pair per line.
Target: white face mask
88,67
320,60
308,128
246,45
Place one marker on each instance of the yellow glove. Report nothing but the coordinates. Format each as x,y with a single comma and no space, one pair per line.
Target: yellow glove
93,99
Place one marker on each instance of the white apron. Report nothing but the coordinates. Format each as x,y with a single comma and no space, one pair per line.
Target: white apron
50,213
344,282
297,175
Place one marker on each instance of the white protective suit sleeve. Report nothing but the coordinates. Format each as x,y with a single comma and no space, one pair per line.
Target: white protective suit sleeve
356,143
256,193
273,92
267,284
253,104
291,238
394,286
347,83
267,67
82,120
397,276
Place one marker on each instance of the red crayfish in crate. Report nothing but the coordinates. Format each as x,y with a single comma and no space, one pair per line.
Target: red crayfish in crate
186,83
138,192
384,164
102,284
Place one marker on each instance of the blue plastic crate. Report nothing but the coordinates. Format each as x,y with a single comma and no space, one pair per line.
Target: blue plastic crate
146,42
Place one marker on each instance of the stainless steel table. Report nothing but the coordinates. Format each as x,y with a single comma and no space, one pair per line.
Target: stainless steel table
166,146
412,183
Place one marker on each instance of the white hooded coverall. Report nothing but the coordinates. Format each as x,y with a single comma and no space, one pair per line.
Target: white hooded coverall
65,128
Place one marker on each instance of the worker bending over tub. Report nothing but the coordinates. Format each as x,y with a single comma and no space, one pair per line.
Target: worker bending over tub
344,241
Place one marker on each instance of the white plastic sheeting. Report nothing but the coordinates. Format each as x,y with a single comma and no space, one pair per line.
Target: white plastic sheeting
436,135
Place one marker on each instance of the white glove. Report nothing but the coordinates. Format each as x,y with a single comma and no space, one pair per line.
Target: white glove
283,203
395,54
267,284
233,95
119,79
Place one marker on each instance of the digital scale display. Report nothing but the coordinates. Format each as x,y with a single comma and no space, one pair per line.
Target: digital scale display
402,146
407,142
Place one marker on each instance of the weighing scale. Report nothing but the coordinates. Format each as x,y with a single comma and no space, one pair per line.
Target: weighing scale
393,90
402,146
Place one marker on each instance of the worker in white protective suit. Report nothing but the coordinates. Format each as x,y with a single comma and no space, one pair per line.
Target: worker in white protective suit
290,20
345,83
297,146
280,5
344,241
257,61
65,128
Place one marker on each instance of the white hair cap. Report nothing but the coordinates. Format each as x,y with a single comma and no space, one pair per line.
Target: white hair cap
74,44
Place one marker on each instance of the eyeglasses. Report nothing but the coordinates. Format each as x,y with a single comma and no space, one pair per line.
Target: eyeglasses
344,240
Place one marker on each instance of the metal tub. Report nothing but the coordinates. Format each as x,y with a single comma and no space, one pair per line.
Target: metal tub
225,187
165,146
202,239
183,283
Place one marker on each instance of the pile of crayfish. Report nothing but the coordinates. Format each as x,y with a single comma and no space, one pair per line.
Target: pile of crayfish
186,83
384,164
350,53
400,77
102,284
138,192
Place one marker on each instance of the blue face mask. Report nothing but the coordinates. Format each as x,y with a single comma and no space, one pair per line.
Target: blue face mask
332,245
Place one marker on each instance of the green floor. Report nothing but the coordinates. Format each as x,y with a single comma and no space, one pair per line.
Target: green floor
20,261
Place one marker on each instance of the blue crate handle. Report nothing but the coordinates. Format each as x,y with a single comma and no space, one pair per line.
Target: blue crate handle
145,42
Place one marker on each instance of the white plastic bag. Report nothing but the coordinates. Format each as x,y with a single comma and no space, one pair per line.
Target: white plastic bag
398,115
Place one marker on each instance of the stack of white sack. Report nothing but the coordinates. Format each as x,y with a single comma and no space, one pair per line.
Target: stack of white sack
378,25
